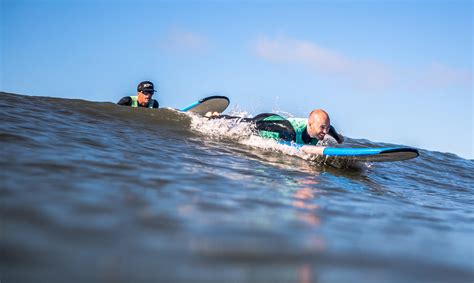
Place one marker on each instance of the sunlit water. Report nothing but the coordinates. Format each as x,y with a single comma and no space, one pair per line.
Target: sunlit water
95,192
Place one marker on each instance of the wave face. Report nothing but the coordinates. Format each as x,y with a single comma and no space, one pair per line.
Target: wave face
95,192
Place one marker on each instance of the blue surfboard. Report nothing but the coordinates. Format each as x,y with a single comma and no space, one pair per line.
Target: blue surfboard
215,103
372,154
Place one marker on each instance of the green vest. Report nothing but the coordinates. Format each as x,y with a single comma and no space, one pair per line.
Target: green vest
135,102
298,125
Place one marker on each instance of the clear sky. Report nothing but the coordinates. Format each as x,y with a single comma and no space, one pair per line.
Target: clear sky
388,71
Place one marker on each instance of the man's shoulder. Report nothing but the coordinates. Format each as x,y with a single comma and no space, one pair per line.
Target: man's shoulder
156,104
126,100
300,120
298,123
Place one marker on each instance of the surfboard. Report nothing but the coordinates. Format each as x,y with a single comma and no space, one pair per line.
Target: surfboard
383,154
215,103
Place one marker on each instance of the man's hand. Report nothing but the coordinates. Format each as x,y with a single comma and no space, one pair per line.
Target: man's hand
340,138
211,114
313,149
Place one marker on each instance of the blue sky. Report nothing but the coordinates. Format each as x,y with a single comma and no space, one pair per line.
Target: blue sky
388,71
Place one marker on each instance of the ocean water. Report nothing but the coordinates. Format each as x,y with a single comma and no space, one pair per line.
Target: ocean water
95,192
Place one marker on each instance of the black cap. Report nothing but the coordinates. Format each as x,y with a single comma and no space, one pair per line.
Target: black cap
146,86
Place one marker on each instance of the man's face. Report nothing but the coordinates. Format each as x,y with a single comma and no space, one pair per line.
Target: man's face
144,97
318,127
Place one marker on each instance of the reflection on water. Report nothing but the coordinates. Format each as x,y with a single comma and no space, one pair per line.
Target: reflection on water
304,274
307,213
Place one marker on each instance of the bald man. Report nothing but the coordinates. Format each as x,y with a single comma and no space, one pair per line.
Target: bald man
310,133
319,124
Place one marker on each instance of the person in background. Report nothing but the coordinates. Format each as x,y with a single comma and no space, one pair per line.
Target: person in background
145,91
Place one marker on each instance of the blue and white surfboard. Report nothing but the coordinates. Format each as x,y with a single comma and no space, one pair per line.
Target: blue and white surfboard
214,103
372,154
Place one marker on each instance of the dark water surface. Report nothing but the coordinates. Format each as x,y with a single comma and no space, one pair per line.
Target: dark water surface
95,192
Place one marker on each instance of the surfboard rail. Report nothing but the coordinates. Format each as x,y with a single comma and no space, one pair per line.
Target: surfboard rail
373,154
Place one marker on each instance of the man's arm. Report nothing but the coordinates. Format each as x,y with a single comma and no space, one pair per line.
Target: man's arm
126,101
332,132
308,149
313,149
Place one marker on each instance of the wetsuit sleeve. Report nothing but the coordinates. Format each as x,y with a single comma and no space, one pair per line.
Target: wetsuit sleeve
334,134
126,101
156,104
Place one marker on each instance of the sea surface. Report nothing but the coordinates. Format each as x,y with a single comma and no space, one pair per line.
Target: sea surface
96,192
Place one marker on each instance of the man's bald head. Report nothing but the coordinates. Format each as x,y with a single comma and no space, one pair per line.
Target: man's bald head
318,124
318,114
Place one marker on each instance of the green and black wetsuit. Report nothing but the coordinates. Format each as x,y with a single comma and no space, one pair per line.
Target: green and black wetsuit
269,125
133,102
